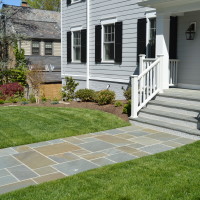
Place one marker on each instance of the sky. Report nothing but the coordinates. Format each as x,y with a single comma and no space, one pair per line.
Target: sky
11,2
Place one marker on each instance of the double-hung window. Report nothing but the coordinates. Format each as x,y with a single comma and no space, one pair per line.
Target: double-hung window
35,47
109,42
76,46
152,38
48,48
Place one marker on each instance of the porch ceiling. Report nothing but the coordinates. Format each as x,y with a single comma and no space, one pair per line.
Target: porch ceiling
172,6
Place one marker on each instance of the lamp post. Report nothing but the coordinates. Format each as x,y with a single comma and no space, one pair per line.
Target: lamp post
191,31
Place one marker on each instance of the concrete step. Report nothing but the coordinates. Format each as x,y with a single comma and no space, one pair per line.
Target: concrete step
184,109
178,100
165,126
170,117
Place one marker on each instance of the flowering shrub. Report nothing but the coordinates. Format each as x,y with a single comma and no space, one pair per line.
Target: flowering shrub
105,97
11,89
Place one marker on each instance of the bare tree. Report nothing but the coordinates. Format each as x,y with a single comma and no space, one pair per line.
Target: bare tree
35,77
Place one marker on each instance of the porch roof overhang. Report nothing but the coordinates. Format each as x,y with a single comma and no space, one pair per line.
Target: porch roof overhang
172,6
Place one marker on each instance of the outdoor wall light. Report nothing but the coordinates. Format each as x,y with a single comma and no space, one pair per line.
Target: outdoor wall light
191,31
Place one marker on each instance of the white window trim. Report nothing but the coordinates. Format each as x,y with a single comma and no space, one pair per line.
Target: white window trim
74,29
149,15
74,2
106,21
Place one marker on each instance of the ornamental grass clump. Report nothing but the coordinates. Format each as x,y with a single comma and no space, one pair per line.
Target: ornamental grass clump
86,95
105,97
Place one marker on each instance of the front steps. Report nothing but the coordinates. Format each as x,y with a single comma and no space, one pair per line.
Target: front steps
176,110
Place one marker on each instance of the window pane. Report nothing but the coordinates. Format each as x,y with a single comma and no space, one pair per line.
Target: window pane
77,45
35,47
109,51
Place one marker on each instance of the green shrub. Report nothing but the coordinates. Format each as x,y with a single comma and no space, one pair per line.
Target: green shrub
14,100
55,101
86,95
127,93
2,101
68,91
105,97
24,101
127,108
43,99
32,99
118,104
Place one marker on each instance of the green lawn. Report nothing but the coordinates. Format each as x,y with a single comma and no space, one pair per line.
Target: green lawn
25,125
172,175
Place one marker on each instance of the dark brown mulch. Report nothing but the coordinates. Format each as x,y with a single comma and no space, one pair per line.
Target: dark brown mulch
89,105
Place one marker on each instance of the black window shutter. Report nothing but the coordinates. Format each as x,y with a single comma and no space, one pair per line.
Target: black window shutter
69,2
118,41
141,37
173,38
69,47
84,46
98,43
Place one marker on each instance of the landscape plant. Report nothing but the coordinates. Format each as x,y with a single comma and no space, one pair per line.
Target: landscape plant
127,93
68,91
105,97
86,95
118,104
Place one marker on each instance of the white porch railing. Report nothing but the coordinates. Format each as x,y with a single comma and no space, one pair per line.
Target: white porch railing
146,85
173,72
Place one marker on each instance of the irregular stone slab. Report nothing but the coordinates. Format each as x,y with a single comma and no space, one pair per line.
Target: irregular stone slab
121,157
172,144
16,186
75,167
145,141
127,149
4,172
60,158
8,161
39,144
57,141
114,140
112,151
184,140
74,140
7,151
102,162
114,131
94,155
157,148
45,170
96,146
49,177
138,133
22,172
33,159
162,136
57,149
81,152
7,180
21,149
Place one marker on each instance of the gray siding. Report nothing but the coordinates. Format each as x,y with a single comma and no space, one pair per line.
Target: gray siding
188,51
73,15
103,74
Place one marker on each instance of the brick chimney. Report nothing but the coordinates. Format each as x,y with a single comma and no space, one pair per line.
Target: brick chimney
24,4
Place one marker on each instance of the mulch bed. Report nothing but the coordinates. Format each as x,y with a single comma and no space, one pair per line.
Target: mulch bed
89,105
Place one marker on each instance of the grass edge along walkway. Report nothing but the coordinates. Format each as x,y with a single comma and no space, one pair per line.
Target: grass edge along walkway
26,125
169,175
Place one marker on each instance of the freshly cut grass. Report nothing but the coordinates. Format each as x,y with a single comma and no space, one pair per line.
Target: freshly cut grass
172,175
25,125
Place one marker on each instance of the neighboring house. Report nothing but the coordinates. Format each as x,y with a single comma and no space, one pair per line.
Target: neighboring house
41,33
153,43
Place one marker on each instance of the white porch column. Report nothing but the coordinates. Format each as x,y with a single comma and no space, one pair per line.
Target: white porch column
162,45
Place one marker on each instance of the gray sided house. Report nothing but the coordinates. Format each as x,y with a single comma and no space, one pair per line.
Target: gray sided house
102,41
41,33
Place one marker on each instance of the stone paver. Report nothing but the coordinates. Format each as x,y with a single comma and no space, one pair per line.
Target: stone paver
32,164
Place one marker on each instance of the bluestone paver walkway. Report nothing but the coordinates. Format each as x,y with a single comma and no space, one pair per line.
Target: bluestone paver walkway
33,164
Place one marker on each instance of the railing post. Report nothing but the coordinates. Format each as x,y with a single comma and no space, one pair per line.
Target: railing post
161,75
134,96
141,64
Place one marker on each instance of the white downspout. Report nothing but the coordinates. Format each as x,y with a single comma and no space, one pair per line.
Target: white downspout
88,45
